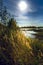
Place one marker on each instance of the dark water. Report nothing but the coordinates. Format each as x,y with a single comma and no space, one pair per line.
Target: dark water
34,34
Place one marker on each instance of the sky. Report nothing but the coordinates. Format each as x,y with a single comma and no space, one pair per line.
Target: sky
32,16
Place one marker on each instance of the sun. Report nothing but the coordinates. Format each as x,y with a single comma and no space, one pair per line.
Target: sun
22,5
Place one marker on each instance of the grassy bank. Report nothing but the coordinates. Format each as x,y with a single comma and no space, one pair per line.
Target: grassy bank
16,49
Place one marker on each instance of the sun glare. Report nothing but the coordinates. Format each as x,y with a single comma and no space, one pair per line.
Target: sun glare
22,5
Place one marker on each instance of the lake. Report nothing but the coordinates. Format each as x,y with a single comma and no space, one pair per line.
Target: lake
34,34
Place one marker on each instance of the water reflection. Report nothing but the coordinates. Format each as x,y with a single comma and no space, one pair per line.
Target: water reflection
34,34
29,33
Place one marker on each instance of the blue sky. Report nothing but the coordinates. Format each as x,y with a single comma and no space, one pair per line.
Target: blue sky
33,16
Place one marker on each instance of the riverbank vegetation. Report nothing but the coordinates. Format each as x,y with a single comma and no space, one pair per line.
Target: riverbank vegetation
16,49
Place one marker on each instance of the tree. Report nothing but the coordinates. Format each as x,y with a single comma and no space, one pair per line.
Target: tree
12,24
4,17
